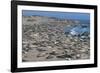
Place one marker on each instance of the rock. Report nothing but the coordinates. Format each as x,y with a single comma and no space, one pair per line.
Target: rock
84,56
49,57
64,56
42,54
78,56
53,52
41,49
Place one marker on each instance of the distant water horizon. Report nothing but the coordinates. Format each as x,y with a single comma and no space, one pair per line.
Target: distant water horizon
60,15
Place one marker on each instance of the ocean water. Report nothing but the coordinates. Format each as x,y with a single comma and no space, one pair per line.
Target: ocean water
60,15
82,29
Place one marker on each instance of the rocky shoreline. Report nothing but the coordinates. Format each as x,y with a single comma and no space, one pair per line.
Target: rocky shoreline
44,39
